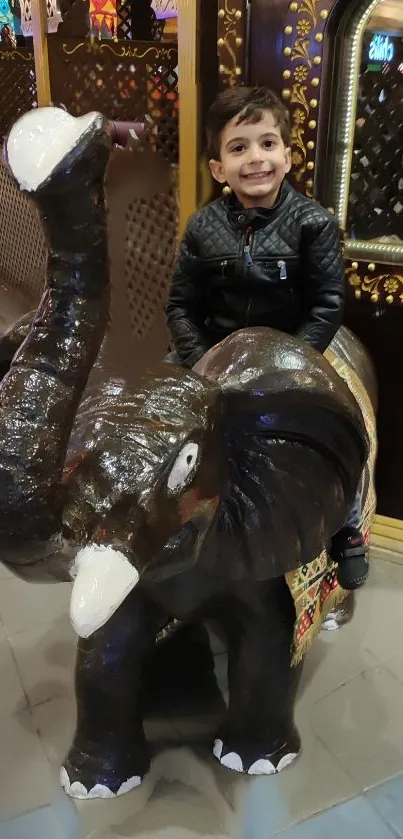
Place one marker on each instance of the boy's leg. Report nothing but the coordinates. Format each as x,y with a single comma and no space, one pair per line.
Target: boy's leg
354,516
350,551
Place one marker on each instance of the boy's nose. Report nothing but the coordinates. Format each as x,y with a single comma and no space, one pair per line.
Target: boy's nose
255,154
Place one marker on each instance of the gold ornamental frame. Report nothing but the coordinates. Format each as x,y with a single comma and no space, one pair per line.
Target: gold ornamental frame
347,109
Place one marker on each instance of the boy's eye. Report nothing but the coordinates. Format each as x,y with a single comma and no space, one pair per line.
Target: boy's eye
268,144
238,149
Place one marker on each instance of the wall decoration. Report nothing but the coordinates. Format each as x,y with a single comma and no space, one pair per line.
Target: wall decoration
232,27
303,47
376,283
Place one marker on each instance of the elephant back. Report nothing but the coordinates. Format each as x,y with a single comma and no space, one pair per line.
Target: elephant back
348,348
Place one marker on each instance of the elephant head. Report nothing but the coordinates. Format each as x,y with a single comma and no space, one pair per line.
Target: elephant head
246,465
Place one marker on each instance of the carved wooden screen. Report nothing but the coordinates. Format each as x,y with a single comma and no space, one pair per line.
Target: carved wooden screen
23,251
17,85
376,188
124,80
132,81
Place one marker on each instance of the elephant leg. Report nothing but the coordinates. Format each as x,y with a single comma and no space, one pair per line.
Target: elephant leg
259,736
184,661
109,755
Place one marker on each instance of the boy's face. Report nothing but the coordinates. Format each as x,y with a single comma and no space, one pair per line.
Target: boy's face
254,160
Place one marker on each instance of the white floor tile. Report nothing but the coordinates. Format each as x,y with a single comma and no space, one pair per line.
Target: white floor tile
349,713
333,660
361,724
12,696
377,627
45,659
24,771
29,605
55,722
5,574
395,666
313,783
174,811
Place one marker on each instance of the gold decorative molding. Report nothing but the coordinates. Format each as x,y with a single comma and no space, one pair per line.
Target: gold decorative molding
367,280
231,39
121,49
40,39
387,535
12,55
189,98
303,48
379,251
347,110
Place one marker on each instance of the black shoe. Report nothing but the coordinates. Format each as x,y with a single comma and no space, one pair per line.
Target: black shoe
349,550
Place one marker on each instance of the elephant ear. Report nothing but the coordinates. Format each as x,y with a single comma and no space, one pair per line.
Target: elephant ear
297,446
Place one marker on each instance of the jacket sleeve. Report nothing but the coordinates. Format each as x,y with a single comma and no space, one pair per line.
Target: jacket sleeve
185,309
323,275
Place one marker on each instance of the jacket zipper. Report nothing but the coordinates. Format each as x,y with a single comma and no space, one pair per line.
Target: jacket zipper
247,247
248,262
283,269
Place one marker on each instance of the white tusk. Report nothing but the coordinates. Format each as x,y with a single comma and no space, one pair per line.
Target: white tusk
40,139
103,579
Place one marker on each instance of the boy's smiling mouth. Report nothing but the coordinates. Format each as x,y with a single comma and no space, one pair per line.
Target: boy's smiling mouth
257,176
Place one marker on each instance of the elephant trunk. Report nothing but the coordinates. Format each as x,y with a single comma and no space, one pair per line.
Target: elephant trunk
64,174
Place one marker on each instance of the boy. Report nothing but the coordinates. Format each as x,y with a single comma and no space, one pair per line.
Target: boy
263,256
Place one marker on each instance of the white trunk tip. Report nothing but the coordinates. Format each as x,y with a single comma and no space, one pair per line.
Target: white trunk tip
103,579
39,141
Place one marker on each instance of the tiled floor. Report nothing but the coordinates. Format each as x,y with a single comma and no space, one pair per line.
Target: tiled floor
348,781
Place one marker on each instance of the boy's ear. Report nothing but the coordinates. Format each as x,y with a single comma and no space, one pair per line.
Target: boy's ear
217,171
288,160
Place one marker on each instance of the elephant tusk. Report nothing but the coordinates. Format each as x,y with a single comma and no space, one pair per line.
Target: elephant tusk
103,579
40,139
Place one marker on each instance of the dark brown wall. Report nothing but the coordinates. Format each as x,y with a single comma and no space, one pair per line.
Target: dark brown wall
266,42
208,58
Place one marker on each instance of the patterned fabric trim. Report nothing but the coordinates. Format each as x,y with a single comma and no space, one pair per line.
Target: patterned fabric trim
314,587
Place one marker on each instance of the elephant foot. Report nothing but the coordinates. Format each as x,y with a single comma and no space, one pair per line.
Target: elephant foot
243,756
90,772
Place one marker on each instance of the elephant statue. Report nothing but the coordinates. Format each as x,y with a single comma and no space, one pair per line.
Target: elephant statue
194,495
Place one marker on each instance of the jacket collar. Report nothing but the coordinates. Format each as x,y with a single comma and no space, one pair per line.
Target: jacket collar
241,217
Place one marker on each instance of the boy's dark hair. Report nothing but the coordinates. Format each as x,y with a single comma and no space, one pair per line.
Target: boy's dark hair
248,103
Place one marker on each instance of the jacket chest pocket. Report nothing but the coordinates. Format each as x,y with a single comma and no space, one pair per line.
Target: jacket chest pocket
222,270
281,271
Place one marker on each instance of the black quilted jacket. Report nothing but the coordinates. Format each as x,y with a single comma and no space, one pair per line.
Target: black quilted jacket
281,268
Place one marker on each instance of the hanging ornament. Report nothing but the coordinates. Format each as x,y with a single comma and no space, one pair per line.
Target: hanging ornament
165,8
53,15
7,29
103,18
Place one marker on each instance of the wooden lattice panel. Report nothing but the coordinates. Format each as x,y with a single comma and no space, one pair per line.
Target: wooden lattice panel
376,187
23,250
138,22
17,86
151,231
125,81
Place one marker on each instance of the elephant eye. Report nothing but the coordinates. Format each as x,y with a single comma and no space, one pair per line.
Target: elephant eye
184,465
